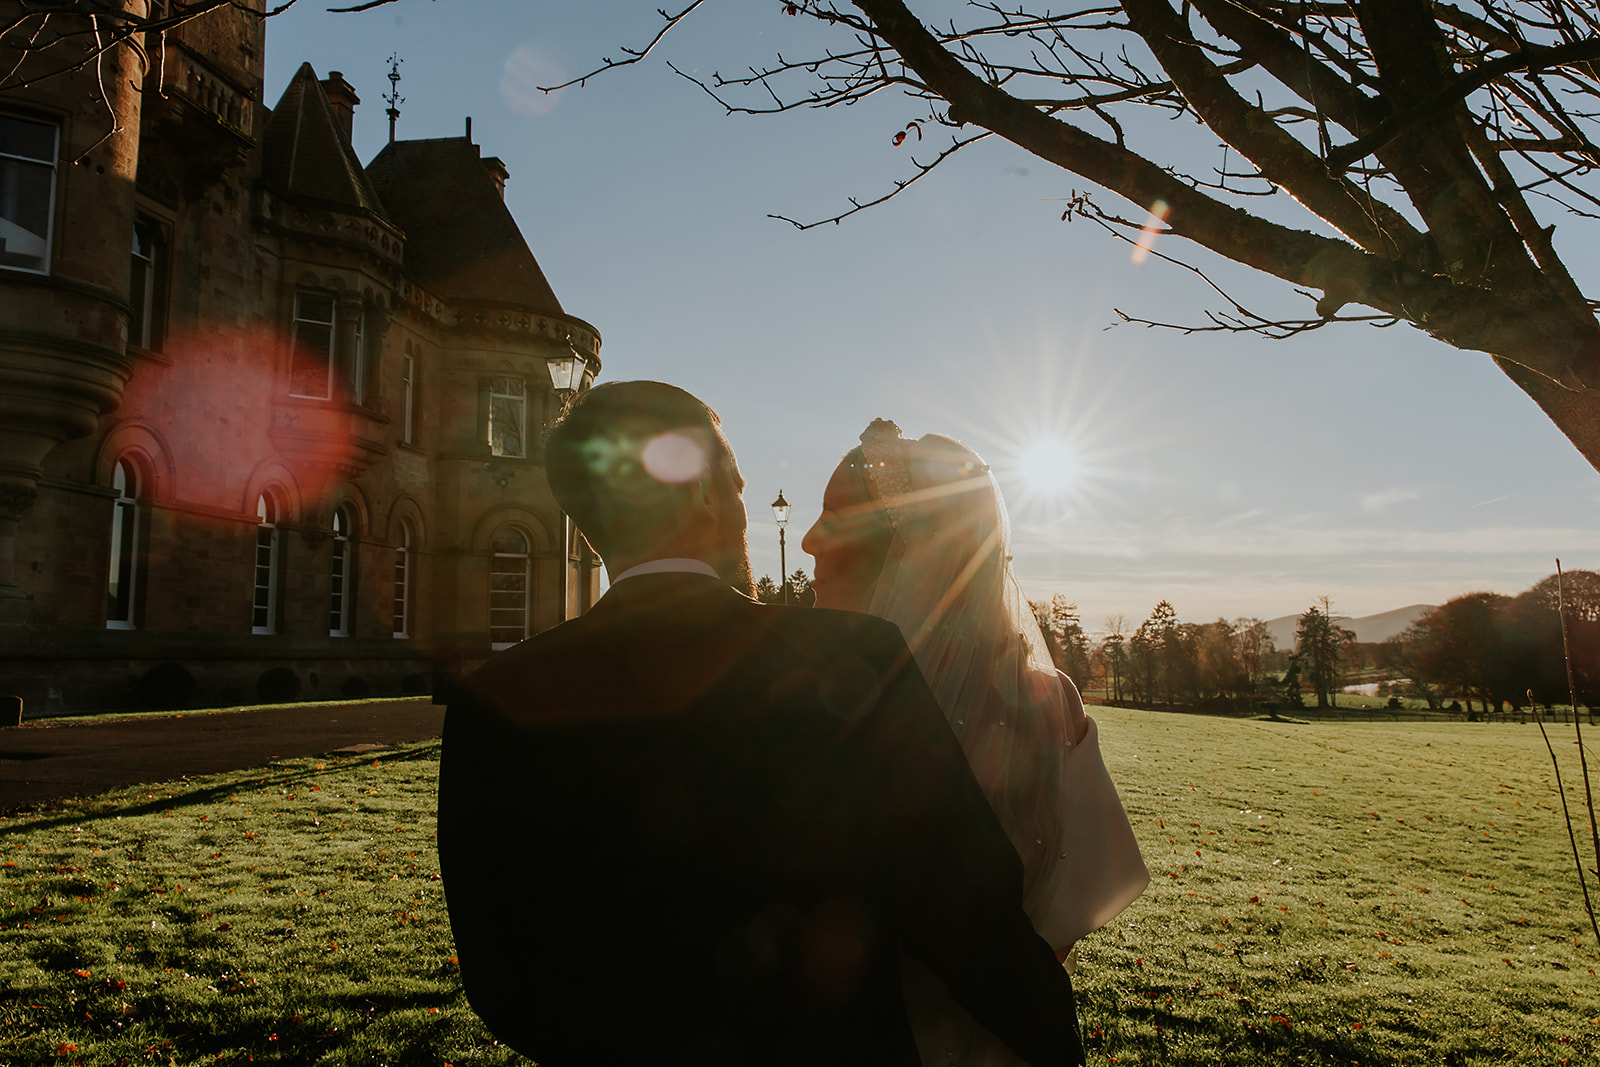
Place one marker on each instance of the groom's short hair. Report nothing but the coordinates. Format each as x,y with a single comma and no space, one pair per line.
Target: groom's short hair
626,460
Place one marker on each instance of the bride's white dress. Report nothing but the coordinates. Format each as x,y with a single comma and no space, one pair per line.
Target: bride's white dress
948,583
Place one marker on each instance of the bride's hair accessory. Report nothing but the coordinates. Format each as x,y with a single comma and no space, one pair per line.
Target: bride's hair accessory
884,451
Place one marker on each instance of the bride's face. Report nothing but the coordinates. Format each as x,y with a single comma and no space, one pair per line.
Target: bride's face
849,542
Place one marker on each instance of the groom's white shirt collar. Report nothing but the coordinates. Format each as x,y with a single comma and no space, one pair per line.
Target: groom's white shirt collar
673,565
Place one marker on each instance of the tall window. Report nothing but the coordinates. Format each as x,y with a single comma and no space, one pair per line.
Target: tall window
146,291
27,192
358,361
408,396
402,582
343,585
311,347
508,417
124,575
510,588
264,617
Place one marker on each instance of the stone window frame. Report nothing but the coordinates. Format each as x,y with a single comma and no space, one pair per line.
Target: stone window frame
405,580
125,571
408,397
513,573
342,571
268,571
302,324
53,164
147,306
509,395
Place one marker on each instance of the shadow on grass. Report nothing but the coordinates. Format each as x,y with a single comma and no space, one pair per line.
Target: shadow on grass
209,790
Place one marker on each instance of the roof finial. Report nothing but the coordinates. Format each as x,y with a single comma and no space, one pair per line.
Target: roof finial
393,97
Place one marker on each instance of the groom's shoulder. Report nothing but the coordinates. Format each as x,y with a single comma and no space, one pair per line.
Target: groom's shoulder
834,631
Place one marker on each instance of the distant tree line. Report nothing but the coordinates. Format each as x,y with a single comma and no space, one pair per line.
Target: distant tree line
1491,650
1486,649
1219,665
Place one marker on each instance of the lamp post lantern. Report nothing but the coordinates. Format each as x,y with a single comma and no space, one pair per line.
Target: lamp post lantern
780,514
567,367
566,371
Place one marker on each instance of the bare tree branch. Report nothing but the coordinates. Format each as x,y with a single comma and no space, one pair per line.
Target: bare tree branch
634,54
900,186
1529,59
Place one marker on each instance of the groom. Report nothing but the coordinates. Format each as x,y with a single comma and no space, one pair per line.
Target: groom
687,828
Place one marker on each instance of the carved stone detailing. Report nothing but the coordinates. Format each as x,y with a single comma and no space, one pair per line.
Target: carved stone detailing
16,499
189,78
346,229
554,328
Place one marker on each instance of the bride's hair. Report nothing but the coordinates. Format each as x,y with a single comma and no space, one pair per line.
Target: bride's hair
947,582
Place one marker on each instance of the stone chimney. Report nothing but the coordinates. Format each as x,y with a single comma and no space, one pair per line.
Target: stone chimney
343,99
497,172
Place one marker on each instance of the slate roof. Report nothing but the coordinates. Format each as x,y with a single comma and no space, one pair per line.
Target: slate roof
461,241
305,155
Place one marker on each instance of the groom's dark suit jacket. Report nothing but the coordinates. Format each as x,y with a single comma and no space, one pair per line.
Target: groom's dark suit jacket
690,829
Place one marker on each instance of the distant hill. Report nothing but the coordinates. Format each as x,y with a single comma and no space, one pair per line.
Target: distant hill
1379,627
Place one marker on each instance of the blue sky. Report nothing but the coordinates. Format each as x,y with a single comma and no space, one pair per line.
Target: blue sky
1230,475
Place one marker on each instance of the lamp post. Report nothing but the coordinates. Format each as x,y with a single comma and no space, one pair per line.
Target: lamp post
780,513
567,367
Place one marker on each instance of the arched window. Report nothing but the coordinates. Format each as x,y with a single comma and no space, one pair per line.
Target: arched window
264,615
123,581
343,584
402,582
510,588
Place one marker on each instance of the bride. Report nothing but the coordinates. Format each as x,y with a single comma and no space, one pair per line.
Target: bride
915,532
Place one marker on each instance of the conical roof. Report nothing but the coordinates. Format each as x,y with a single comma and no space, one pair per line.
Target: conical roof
305,155
461,241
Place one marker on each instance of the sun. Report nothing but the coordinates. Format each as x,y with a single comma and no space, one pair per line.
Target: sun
1049,467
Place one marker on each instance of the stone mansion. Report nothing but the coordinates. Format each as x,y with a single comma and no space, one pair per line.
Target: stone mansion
270,418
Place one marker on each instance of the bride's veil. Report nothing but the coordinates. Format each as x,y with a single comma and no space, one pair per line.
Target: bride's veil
947,582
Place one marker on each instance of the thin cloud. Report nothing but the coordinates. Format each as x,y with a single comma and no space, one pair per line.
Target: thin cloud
1373,503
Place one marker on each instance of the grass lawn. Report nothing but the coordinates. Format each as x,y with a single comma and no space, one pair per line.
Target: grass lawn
1325,893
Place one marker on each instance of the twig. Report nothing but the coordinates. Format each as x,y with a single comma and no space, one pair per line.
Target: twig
359,7
634,54
1243,320
1583,762
100,81
900,186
